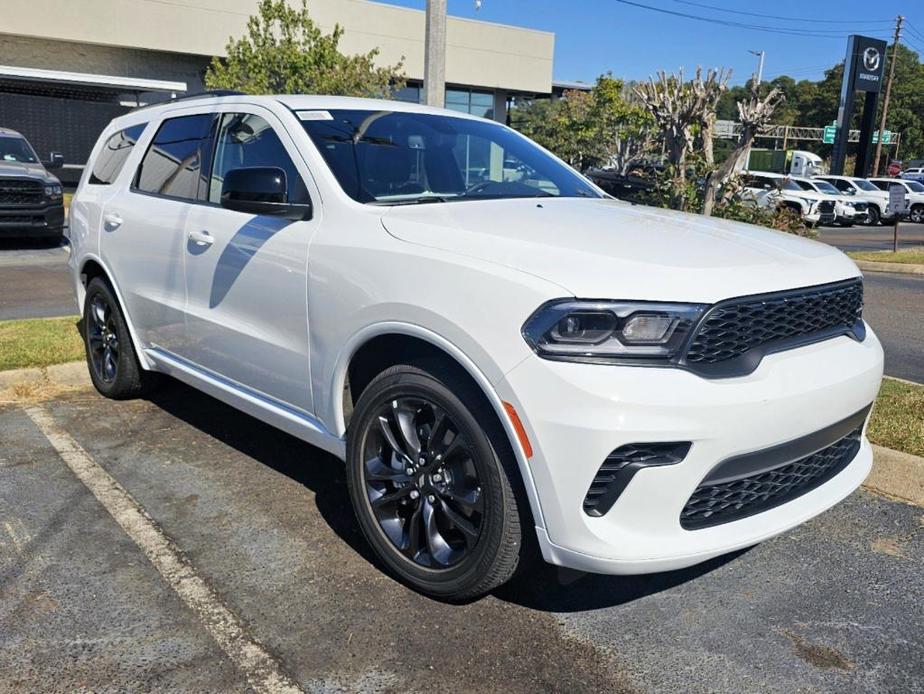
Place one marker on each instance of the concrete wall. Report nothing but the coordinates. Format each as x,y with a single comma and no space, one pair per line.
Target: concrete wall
22,51
478,53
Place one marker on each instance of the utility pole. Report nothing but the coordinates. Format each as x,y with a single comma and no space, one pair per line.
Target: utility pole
888,92
435,53
760,64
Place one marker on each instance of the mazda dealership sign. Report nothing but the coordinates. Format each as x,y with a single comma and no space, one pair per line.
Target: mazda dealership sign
869,64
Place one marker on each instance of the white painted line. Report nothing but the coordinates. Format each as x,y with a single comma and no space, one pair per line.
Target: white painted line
262,671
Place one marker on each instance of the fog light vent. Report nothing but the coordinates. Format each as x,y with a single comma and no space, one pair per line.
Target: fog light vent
620,467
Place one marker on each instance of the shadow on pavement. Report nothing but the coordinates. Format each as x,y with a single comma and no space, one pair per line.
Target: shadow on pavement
540,587
317,470
551,589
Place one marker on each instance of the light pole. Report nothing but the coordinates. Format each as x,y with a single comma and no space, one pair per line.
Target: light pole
760,64
435,53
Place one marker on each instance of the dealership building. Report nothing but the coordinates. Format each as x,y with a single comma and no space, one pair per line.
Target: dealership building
69,67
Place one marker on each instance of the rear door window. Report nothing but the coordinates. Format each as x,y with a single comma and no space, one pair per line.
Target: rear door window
114,154
177,161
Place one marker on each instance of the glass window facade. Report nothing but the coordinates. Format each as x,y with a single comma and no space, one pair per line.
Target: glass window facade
471,101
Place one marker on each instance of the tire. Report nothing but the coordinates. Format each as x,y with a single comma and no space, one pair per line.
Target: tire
450,527
111,358
917,214
874,217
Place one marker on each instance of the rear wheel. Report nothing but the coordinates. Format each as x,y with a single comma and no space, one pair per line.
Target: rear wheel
432,482
113,365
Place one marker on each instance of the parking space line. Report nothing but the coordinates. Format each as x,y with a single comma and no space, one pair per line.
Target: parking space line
261,670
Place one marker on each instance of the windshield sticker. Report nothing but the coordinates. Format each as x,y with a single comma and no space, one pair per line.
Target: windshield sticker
314,115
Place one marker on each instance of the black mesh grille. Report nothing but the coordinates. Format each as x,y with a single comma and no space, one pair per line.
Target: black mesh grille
713,504
826,207
620,466
21,192
860,206
735,327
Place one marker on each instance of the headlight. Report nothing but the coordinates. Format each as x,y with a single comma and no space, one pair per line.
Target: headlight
53,191
811,201
606,331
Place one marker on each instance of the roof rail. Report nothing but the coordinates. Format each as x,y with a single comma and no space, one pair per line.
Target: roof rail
198,95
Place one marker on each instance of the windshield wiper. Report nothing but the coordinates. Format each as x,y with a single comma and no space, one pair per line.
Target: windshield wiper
413,201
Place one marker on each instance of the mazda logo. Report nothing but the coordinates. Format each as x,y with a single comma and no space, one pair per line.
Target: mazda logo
871,59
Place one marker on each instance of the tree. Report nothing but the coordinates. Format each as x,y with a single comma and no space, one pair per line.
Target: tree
588,129
753,114
284,52
680,109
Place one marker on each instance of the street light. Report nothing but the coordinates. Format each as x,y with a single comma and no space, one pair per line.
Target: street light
760,64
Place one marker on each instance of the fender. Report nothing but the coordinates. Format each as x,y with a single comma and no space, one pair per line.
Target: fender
411,330
146,363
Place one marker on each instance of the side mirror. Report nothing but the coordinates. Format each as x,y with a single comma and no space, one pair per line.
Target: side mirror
261,190
55,160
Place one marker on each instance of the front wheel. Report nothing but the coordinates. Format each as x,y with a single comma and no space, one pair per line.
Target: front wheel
917,214
432,483
873,217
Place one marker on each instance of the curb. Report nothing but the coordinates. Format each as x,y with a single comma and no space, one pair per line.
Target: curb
897,475
72,373
897,268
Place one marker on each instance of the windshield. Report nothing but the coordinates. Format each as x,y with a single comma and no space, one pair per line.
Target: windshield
914,186
16,149
789,184
826,187
863,184
395,157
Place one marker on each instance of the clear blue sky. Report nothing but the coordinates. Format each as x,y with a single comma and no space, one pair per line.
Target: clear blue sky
594,36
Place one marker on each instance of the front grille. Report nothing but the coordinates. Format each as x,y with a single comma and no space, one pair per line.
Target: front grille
861,206
21,192
826,207
733,328
713,504
620,467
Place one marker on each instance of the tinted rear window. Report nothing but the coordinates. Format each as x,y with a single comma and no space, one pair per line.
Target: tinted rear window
176,163
114,154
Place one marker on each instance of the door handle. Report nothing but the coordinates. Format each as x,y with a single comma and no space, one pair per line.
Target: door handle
112,220
201,238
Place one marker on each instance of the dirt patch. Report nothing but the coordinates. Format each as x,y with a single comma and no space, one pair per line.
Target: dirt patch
818,654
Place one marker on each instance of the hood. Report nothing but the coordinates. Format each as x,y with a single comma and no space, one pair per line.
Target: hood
608,249
16,169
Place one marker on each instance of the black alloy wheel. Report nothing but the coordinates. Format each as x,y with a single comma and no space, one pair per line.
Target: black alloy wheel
421,482
434,482
111,359
102,339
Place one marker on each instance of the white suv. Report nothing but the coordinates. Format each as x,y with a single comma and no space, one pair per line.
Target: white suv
862,190
779,191
506,358
914,195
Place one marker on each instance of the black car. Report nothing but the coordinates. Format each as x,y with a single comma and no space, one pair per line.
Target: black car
31,199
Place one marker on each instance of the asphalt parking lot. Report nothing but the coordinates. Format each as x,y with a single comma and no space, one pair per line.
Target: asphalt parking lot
263,522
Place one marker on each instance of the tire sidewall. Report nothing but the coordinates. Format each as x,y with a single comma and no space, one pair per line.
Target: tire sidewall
456,579
124,368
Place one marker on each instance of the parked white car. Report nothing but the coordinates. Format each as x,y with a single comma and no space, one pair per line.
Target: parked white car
502,364
915,174
861,189
847,211
773,190
914,195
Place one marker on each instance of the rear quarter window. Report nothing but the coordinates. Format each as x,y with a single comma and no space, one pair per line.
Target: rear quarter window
114,154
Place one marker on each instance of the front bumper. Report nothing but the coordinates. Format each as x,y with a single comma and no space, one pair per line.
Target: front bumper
576,414
32,221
